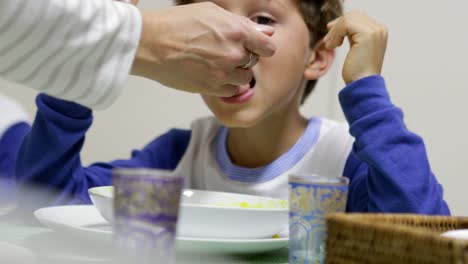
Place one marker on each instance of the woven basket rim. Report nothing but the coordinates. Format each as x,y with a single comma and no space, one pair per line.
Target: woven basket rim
369,220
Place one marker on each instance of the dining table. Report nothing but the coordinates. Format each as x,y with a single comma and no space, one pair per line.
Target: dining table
29,242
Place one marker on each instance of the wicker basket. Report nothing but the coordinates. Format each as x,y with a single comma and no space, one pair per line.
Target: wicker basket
394,238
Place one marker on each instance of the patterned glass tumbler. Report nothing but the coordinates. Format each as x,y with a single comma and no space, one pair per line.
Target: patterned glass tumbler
146,206
311,198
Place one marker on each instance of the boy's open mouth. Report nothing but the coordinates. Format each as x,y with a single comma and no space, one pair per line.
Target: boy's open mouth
246,92
244,89
252,83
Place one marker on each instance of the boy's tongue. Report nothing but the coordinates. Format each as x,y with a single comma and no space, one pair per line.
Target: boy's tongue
244,88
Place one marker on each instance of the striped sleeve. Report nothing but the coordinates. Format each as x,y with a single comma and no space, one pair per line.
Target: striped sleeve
77,50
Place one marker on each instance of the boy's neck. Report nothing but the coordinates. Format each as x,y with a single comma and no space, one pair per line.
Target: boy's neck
266,141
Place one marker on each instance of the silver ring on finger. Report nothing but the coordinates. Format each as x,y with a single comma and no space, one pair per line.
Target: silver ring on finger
253,59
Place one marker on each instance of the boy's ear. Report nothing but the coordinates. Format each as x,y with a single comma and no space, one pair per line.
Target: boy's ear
320,61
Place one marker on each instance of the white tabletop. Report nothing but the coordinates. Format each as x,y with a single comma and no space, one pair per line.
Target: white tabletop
20,243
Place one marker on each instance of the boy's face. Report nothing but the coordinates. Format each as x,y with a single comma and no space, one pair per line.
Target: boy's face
279,80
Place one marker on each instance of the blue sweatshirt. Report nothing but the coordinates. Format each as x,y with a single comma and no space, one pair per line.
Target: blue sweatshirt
10,143
388,166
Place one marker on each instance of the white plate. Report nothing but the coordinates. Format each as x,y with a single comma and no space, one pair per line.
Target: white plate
85,222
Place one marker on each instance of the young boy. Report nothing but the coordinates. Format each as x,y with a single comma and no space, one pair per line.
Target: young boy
14,125
259,137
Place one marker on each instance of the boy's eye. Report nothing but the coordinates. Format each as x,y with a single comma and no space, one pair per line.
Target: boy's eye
263,20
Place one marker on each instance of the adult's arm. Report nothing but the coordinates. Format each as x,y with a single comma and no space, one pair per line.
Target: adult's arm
83,50
79,50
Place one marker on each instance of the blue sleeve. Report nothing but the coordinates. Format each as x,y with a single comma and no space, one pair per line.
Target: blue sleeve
10,143
388,167
49,164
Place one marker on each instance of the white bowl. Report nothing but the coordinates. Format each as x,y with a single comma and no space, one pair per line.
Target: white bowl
208,214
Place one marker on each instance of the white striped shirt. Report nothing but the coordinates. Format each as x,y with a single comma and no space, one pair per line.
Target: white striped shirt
78,50
324,151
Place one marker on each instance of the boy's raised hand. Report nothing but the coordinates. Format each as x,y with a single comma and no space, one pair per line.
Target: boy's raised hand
368,41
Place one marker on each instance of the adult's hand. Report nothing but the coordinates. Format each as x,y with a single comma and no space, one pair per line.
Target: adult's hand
200,48
134,2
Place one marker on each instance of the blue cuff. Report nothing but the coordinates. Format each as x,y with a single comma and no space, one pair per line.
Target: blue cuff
364,97
62,107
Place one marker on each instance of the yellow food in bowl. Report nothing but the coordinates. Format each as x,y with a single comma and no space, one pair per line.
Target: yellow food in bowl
283,204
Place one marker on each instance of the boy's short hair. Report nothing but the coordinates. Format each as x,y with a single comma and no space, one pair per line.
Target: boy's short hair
316,15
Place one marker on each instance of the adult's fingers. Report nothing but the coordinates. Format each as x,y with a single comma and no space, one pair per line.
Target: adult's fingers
134,2
249,60
240,76
258,39
227,90
265,29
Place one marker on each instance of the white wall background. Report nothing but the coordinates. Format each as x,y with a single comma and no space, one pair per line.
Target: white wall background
426,74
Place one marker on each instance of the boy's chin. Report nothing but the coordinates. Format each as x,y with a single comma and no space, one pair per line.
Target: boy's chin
237,120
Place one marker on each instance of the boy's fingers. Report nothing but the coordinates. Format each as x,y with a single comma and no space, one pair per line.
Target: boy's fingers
336,35
333,43
337,42
332,23
340,30
328,41
259,41
331,39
